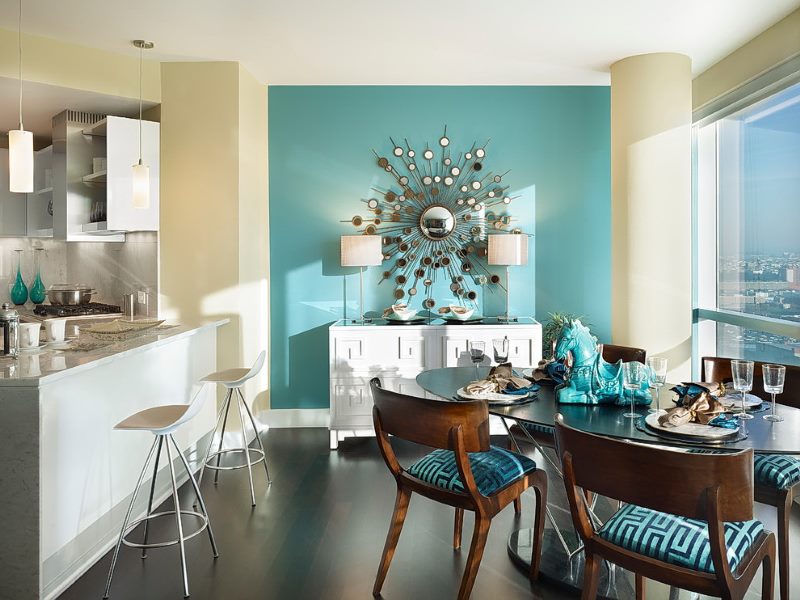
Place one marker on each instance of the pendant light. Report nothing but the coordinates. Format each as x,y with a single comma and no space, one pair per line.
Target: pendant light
141,172
20,142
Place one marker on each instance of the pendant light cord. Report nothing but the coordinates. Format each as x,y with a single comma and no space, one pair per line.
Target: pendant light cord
141,50
19,47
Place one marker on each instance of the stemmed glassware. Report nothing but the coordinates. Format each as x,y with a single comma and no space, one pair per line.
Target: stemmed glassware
774,376
633,375
476,354
500,350
658,377
742,371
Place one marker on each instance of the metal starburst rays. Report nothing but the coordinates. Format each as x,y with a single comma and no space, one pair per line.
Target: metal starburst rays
435,217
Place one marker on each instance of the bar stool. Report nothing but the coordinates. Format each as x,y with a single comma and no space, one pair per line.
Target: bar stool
161,421
233,380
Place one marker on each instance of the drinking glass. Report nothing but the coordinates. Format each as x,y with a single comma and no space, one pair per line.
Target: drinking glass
633,374
742,371
500,350
476,353
658,377
774,376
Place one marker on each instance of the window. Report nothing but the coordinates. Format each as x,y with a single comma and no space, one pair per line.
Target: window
747,231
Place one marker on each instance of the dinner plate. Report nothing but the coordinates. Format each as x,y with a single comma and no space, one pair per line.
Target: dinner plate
455,321
415,321
58,345
690,431
734,401
492,397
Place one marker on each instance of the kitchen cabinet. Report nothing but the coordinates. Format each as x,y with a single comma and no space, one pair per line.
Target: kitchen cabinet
398,353
93,201
12,205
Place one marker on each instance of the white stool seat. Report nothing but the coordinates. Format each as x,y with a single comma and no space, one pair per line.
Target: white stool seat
154,419
228,377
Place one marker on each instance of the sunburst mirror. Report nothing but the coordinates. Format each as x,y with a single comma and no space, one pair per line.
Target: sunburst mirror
434,218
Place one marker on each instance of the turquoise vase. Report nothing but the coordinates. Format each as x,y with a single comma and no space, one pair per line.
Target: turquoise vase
38,291
19,293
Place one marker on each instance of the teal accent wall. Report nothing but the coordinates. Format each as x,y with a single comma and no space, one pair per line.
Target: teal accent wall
555,141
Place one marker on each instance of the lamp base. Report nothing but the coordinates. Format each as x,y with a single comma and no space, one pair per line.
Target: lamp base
362,321
507,319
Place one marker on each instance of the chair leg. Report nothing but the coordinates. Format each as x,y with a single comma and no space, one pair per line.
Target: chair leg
591,577
768,576
227,404
197,494
152,491
640,587
540,492
479,535
784,503
178,523
457,527
222,411
246,447
258,437
395,527
127,519
518,505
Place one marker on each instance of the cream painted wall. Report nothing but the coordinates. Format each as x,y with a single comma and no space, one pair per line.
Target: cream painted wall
651,104
214,231
78,67
770,48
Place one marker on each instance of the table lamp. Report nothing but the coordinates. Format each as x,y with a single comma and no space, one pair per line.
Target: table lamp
507,250
361,251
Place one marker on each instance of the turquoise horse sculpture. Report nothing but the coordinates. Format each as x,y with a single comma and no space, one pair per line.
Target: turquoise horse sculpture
590,379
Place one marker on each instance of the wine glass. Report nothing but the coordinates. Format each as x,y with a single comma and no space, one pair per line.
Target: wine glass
500,350
742,371
476,353
658,377
633,375
774,376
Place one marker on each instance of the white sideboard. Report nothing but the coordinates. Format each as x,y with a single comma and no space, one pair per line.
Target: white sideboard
398,353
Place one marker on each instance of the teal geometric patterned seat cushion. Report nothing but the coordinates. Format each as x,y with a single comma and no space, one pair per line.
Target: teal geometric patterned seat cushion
676,540
777,470
492,470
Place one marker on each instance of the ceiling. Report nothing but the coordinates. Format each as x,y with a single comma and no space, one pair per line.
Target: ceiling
42,102
414,42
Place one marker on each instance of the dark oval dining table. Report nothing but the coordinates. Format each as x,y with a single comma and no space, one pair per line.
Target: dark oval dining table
607,420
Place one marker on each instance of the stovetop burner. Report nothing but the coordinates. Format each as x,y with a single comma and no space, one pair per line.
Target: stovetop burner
92,308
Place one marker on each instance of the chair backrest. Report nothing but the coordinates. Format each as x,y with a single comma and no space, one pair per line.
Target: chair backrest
429,422
717,369
612,353
664,480
195,404
257,366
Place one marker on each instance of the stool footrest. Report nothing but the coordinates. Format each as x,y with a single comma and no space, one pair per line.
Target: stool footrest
259,453
191,513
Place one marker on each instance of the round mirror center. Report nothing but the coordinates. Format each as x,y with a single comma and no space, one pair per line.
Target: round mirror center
437,222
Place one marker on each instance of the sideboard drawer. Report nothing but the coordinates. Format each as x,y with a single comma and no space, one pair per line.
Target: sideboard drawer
520,351
411,351
352,398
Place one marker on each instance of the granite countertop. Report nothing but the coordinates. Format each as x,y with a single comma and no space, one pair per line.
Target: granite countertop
48,365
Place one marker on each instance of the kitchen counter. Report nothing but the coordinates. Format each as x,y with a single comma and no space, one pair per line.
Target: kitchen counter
67,475
48,365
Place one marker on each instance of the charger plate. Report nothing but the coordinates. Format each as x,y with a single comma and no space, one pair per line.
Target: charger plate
691,431
734,401
494,398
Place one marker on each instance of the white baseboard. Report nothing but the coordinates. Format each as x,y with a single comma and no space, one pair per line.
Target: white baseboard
296,417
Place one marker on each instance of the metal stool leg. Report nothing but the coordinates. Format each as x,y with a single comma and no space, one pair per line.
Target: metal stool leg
152,491
178,522
222,433
258,437
246,447
197,493
128,518
220,413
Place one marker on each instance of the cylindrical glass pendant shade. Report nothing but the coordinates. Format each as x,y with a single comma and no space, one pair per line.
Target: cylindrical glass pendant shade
141,186
20,161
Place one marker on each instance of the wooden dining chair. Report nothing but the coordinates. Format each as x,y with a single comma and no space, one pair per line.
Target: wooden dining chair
463,471
687,520
777,476
613,353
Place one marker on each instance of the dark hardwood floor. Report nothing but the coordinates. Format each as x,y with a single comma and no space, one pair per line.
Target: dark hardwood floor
318,531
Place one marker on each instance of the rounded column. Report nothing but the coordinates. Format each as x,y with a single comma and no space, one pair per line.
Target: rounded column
651,114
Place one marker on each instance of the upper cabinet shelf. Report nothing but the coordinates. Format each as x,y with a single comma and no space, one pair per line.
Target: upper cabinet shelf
95,178
98,128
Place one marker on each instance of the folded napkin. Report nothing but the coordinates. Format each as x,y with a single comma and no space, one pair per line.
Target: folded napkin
693,389
550,369
501,380
702,408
